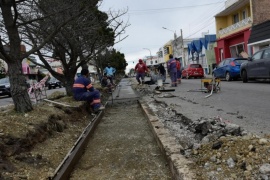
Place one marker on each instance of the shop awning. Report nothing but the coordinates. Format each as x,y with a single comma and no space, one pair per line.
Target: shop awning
260,32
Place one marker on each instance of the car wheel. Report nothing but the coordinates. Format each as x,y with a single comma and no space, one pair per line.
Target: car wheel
49,87
244,76
228,76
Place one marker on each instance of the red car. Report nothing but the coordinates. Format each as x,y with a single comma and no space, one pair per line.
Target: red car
193,70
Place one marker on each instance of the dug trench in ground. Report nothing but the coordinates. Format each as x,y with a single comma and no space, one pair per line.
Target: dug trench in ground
123,147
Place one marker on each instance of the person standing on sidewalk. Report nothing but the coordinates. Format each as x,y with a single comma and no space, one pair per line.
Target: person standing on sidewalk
172,70
162,72
109,72
178,67
141,69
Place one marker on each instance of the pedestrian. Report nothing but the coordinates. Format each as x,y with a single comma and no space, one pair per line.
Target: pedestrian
171,65
109,71
178,67
141,69
162,72
83,90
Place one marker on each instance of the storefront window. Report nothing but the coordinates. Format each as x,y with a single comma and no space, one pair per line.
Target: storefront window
236,50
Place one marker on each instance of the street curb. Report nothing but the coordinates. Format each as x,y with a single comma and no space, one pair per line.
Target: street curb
168,145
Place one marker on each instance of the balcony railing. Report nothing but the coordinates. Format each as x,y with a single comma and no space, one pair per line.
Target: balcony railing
233,27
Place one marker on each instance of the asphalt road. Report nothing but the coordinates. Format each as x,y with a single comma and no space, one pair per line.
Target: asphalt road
245,104
5,100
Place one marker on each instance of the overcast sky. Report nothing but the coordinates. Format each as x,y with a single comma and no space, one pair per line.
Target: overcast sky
147,17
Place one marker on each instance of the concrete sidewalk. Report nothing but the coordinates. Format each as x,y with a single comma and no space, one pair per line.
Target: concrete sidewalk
170,148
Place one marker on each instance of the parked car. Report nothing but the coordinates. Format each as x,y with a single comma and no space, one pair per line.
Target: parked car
257,67
5,87
53,83
193,70
229,68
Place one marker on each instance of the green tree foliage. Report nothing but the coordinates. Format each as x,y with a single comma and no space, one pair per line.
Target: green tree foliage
115,58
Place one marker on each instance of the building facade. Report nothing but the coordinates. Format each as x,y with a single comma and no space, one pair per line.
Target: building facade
201,51
233,26
260,36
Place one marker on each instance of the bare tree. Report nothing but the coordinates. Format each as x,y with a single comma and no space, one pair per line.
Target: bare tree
79,42
17,16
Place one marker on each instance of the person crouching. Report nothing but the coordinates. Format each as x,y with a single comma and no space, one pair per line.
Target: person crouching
106,84
83,90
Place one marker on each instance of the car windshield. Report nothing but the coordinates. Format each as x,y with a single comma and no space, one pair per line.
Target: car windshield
4,80
195,66
240,61
53,79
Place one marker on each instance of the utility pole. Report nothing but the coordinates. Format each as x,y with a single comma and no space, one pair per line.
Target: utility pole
183,48
150,55
174,41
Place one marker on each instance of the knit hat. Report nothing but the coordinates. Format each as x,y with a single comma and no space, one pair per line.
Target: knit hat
84,71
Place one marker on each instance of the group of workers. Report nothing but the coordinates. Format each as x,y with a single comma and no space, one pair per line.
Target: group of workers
173,68
83,89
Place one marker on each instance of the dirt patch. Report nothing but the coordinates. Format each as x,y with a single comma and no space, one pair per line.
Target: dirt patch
34,144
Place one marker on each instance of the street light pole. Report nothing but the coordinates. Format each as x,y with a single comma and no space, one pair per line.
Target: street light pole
174,34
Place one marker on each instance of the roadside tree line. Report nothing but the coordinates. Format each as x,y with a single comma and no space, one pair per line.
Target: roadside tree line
73,32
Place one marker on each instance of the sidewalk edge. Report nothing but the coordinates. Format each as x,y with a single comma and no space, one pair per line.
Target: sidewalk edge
168,145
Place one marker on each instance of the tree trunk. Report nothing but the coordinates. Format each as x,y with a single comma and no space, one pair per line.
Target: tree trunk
69,85
18,88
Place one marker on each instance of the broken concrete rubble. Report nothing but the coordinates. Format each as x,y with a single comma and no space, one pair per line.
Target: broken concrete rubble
218,148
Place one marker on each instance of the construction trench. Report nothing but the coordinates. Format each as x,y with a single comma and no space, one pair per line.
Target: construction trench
113,146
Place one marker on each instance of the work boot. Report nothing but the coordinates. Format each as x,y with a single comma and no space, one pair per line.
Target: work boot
99,109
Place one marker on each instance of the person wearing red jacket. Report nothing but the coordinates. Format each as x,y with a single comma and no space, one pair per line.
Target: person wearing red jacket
178,67
141,69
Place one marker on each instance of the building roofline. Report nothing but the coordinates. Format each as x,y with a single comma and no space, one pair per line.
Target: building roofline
237,5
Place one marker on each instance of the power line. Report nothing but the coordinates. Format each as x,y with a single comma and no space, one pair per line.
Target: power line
168,9
205,23
201,28
208,13
181,7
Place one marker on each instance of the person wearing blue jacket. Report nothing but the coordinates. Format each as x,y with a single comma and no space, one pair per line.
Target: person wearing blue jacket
172,69
109,72
83,90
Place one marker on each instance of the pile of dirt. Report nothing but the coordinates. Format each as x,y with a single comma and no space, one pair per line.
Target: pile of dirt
34,144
